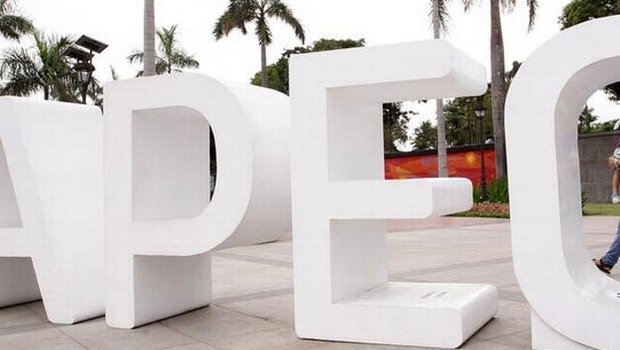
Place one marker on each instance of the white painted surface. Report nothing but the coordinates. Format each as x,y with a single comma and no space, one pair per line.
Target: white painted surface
160,225
340,198
554,270
51,211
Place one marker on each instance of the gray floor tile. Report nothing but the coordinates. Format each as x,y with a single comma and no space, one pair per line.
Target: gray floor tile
96,335
45,339
253,294
279,339
194,346
214,322
17,316
278,309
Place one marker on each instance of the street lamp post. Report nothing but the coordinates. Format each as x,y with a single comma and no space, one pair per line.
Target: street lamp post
83,52
484,193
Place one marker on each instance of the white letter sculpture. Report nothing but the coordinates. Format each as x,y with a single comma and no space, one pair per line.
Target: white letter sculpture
160,226
51,207
340,198
573,304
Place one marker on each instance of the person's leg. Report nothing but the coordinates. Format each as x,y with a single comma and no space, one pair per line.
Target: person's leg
613,253
615,181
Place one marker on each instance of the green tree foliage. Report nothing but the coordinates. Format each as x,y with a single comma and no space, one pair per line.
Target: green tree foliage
242,12
425,136
395,126
334,44
604,126
586,120
578,11
462,124
170,56
278,72
12,24
40,68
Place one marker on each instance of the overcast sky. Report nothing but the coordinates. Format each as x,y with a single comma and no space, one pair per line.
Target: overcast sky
237,57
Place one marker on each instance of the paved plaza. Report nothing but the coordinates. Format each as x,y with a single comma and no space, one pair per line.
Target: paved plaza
253,294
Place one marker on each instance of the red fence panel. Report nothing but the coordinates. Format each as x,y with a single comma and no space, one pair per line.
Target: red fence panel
462,162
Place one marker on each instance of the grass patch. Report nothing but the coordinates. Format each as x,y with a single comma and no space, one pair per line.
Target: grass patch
601,209
494,210
482,214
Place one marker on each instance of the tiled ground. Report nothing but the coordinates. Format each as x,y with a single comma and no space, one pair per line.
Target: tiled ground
253,291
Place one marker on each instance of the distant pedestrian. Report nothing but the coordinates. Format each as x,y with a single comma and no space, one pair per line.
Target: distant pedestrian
614,164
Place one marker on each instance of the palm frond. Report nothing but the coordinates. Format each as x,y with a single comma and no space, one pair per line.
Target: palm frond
263,32
17,61
13,26
443,17
282,12
20,86
182,60
167,40
467,4
136,56
239,13
41,67
508,5
114,73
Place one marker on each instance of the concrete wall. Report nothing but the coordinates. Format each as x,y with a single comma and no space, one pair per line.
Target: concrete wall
594,149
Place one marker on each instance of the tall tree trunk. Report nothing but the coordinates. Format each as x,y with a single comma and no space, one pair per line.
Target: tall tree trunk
263,65
442,154
149,38
498,89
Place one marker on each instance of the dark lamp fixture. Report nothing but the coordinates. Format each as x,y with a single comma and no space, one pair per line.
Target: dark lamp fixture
82,52
484,192
84,71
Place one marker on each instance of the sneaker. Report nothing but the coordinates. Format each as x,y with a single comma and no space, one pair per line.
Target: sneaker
602,266
615,198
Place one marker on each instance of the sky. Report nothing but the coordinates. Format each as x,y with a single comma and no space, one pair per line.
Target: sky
237,57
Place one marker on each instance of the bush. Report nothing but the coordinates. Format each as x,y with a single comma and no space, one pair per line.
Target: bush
584,200
497,190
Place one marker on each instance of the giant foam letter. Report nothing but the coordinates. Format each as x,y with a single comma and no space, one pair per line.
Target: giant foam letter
51,207
160,226
340,198
573,304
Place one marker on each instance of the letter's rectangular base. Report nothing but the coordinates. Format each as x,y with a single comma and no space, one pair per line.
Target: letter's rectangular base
440,315
546,338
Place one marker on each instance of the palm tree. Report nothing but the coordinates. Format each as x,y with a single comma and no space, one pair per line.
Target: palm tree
41,68
242,12
12,25
498,81
149,38
170,57
439,15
